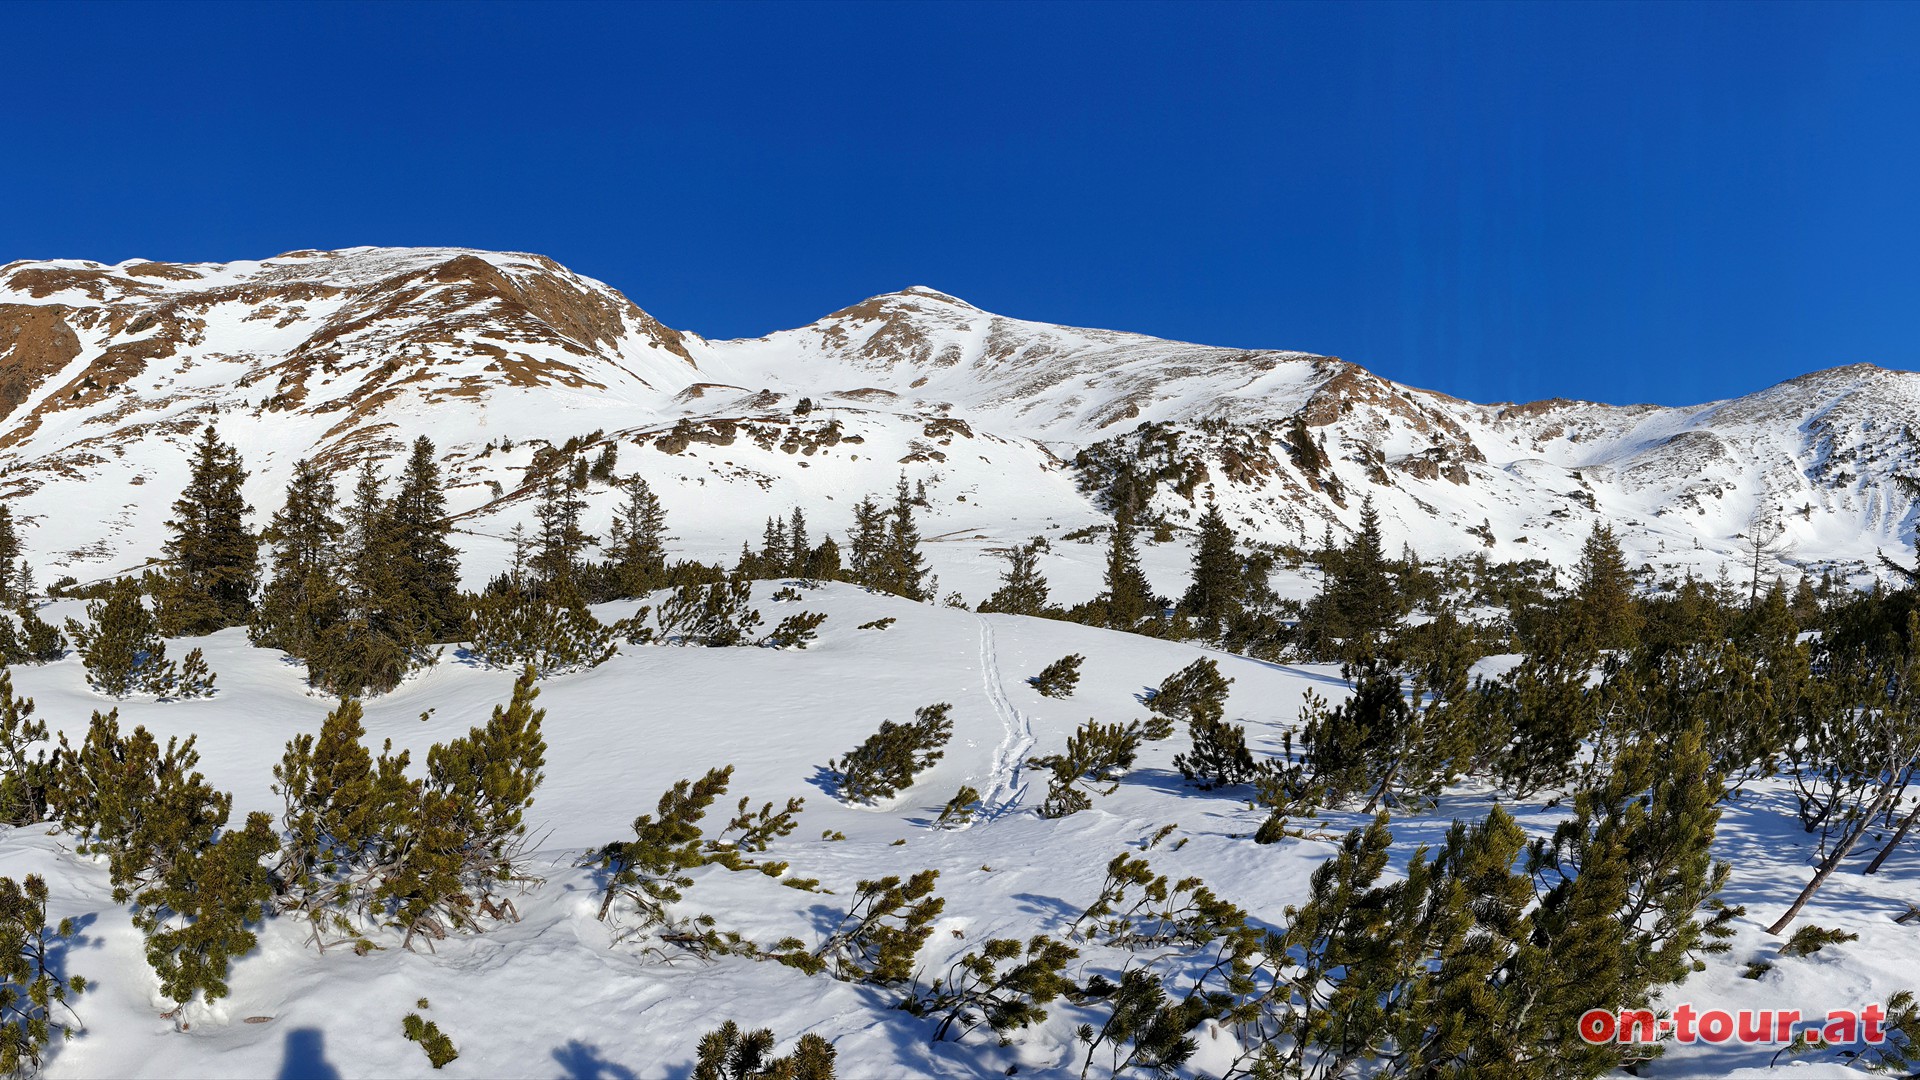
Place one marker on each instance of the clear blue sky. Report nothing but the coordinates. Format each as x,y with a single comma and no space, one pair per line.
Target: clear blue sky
1647,202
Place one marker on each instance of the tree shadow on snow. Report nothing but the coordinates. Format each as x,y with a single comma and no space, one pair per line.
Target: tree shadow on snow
826,780
1049,906
305,1056
583,1061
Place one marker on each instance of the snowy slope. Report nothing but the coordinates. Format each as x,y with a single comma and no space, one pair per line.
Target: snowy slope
554,994
106,373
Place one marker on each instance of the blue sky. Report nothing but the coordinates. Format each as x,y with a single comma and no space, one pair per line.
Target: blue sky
1628,202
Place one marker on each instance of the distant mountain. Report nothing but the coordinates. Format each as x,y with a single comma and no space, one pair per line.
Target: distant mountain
107,373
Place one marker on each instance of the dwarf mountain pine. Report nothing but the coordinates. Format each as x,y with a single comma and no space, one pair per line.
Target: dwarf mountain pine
887,762
1058,679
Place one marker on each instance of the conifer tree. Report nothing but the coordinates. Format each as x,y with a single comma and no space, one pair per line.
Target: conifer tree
36,996
302,597
727,1053
884,929
1215,597
214,560
775,554
717,615
902,570
561,542
1095,754
426,570
1127,599
194,887
1625,880
1218,756
120,644
651,869
1197,692
999,987
196,914
378,638
25,777
888,760
1382,745
637,547
515,629
867,543
10,561
37,641
1359,602
1058,679
339,809
799,546
823,563
1603,592
433,1042
1023,589
465,823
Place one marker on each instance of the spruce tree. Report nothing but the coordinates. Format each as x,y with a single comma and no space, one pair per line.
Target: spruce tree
426,567
637,547
561,542
799,546
1127,599
1215,597
902,570
213,559
378,637
302,598
1359,602
775,554
10,560
1023,589
867,542
1603,592
823,562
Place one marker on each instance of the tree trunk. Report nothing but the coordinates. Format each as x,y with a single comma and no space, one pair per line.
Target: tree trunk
1832,862
1905,824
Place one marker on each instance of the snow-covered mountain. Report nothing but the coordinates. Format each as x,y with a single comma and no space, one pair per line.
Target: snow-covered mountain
107,372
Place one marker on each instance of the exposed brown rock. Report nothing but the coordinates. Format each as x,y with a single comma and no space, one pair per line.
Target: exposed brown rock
169,271
35,343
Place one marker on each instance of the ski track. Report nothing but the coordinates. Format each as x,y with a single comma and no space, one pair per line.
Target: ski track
1005,787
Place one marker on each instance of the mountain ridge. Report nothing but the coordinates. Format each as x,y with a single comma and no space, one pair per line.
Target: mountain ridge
107,371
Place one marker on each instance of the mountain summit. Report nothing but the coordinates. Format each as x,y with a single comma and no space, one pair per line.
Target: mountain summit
106,373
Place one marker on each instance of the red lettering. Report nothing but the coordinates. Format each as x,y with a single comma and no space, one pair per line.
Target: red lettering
1872,1018
1683,1023
1842,1028
1597,1026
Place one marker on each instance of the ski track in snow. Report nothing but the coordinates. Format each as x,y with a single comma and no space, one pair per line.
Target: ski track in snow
1005,787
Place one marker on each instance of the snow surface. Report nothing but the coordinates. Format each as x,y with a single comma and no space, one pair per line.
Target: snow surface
347,355
350,354
555,995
